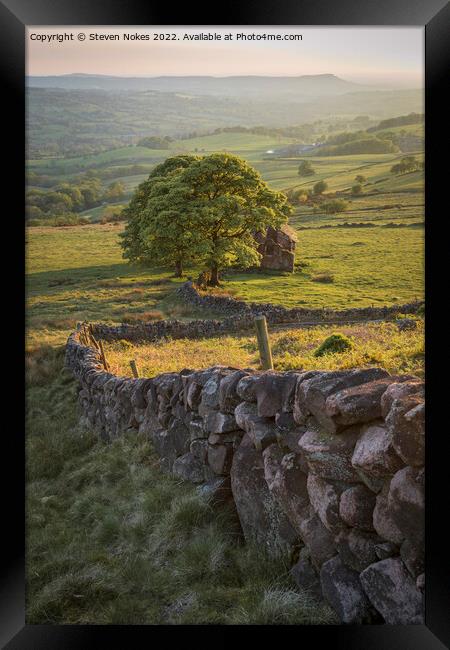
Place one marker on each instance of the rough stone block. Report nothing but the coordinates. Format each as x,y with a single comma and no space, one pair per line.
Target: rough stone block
406,502
228,397
263,521
393,592
342,589
374,454
329,456
324,498
189,468
356,507
313,392
307,578
219,458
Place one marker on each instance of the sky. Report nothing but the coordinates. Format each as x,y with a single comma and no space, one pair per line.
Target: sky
392,57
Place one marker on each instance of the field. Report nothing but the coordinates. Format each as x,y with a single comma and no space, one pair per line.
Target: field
373,344
111,539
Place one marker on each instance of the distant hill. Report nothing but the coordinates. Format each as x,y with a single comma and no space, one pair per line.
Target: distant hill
306,86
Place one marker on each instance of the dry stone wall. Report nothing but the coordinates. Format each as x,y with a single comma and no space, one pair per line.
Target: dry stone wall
278,314
325,467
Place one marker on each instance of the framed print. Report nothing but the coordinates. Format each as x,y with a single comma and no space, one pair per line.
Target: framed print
228,266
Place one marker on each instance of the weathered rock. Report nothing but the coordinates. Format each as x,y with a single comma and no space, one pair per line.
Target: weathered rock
300,414
342,589
329,456
420,582
306,578
356,405
313,392
234,437
357,548
385,550
219,458
316,537
374,455
199,449
210,394
196,429
383,522
356,507
274,392
217,422
393,592
287,484
406,423
324,498
192,394
406,502
246,387
243,413
189,468
139,394
262,431
399,390
263,521
228,397
412,552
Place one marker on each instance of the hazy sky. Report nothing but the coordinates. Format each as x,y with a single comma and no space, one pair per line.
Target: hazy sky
389,56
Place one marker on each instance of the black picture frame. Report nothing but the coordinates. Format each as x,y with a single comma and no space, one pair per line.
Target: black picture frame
434,15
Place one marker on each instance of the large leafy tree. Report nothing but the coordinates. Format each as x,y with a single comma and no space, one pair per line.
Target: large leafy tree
204,210
159,230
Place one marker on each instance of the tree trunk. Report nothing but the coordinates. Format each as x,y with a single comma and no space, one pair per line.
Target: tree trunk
214,278
178,269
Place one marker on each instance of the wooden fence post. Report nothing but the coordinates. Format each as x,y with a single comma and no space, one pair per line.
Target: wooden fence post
262,335
134,369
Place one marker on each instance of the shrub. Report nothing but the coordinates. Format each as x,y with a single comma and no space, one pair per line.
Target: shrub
334,206
335,343
320,187
289,343
357,189
325,278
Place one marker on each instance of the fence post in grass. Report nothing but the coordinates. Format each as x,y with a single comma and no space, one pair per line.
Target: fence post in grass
262,335
102,354
134,369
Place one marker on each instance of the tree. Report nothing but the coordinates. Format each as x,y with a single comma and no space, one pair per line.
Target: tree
334,206
115,191
320,187
159,230
360,179
205,209
406,164
357,189
305,168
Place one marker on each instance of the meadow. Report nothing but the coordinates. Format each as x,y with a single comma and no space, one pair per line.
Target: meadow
372,344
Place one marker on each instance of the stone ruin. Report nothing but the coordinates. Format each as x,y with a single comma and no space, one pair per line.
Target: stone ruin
325,468
277,248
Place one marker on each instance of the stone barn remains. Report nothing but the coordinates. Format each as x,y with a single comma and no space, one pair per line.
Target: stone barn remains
277,248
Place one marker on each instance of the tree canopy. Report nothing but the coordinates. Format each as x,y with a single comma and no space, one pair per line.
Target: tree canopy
201,210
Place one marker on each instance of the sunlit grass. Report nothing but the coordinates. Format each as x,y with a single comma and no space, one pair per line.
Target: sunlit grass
379,344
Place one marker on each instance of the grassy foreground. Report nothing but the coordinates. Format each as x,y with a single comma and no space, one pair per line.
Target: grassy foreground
112,540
